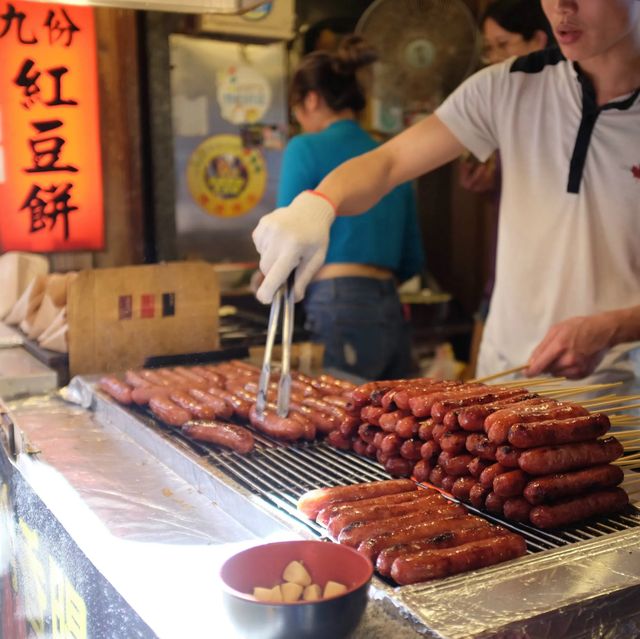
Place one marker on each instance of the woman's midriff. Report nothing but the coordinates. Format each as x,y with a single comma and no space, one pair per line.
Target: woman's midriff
331,271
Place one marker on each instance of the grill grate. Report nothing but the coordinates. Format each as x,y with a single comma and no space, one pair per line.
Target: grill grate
280,473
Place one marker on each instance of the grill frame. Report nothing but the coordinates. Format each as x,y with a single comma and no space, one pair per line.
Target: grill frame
426,606
356,469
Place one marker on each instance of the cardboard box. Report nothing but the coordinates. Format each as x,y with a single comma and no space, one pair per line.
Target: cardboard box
120,316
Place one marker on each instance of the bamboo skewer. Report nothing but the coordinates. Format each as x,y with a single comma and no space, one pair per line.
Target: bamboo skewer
615,408
592,403
534,381
578,390
488,378
619,421
602,399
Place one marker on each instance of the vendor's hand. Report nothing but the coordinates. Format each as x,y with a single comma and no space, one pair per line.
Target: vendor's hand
293,237
477,177
573,348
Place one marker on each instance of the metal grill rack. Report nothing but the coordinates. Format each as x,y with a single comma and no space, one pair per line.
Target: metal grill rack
280,473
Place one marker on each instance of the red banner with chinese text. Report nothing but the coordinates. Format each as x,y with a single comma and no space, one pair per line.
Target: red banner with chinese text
51,195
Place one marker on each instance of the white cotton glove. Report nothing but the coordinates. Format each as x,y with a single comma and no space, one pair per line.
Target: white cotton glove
293,237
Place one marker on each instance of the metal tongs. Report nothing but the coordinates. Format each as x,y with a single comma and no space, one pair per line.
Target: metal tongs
284,297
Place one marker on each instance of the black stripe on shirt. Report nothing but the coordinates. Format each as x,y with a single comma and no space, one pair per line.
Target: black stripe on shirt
535,63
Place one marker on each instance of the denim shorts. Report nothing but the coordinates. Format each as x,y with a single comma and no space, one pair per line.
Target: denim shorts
361,324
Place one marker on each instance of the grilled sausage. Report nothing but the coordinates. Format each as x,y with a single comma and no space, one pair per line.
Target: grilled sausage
489,474
116,388
133,378
457,465
168,411
498,424
447,483
478,495
240,406
462,488
336,400
175,380
372,547
325,515
152,377
219,406
554,487
429,450
187,401
517,509
312,502
444,406
425,429
472,418
421,470
508,456
477,465
372,414
338,440
434,564
398,466
558,431
361,514
410,449
510,484
142,394
479,445
272,424
349,426
388,421
559,459
365,393
367,432
324,422
569,511
221,433
191,375
390,444
436,475
453,443
447,539
407,427
421,405
494,503
404,395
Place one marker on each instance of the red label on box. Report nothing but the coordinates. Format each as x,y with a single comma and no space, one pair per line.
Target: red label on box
147,306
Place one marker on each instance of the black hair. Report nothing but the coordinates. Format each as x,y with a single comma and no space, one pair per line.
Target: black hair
519,16
333,75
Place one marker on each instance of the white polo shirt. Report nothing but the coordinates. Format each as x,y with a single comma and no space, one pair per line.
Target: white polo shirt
569,233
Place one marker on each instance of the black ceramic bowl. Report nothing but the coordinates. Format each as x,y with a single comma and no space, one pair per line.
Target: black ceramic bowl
325,619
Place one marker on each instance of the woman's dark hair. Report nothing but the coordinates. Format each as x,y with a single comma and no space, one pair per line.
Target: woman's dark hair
333,75
519,16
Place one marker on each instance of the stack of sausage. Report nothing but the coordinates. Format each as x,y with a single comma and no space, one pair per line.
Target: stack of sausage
202,399
502,449
410,534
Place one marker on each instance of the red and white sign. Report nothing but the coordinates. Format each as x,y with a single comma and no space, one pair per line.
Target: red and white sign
51,195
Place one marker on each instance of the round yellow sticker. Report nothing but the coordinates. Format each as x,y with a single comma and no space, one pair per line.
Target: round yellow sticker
224,177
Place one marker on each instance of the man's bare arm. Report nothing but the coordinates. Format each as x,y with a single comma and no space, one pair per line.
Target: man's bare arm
360,183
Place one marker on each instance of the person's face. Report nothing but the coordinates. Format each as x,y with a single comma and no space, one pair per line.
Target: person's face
500,44
588,28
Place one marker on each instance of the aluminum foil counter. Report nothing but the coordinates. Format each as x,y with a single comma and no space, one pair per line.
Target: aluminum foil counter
157,520
154,537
